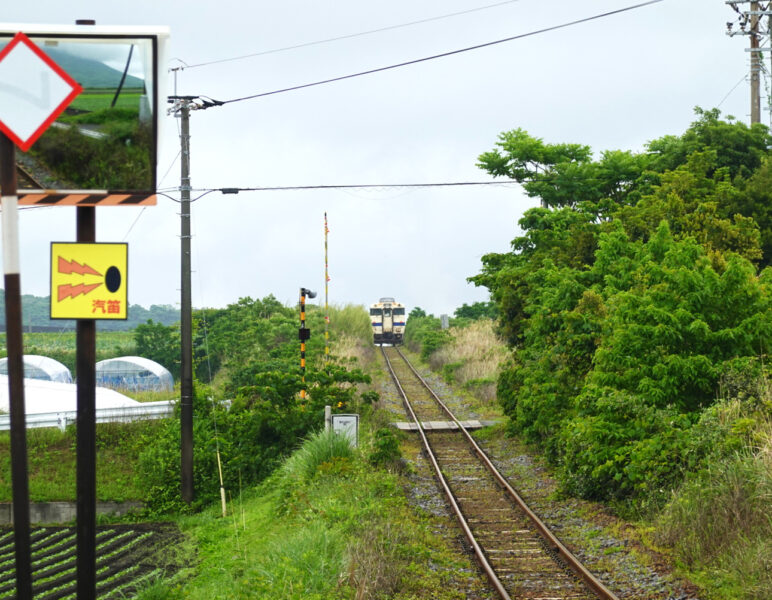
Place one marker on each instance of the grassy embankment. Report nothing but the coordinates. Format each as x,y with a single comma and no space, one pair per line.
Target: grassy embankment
471,359
328,524
348,521
51,453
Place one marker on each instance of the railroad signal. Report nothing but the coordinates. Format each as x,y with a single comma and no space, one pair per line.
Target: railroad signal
304,334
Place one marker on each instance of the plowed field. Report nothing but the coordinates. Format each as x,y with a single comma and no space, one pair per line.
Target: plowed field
127,556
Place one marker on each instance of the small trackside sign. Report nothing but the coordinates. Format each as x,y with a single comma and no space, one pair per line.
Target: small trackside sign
89,281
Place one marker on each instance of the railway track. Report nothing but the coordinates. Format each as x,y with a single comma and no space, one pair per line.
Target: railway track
26,180
515,549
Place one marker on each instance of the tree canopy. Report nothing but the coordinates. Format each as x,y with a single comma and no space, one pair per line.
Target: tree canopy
634,289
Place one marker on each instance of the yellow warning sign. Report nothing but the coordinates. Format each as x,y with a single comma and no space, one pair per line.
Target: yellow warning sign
88,281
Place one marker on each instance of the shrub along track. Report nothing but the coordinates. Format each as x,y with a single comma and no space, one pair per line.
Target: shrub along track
519,555
127,556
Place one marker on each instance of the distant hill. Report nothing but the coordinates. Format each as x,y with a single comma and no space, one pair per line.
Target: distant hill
36,310
91,73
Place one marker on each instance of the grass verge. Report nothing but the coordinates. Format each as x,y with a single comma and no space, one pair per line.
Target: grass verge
51,461
718,524
326,525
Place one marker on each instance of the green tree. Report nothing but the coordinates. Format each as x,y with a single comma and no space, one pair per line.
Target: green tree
417,312
563,174
476,310
160,343
629,295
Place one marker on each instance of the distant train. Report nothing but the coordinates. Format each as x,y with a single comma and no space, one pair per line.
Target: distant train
388,318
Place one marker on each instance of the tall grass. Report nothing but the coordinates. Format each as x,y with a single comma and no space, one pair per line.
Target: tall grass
351,320
351,334
472,358
718,523
322,450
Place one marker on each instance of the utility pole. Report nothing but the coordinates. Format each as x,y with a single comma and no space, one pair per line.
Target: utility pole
186,316
182,105
755,65
749,23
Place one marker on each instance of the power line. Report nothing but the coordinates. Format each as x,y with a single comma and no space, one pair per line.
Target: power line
729,93
134,223
342,37
442,55
364,186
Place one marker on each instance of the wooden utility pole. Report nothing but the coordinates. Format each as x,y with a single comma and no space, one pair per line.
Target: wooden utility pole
182,105
755,64
186,317
749,23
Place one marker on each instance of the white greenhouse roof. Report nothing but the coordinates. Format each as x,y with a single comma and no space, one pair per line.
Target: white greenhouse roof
132,363
41,367
133,373
52,396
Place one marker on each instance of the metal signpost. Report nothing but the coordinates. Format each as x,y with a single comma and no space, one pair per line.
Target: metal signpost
347,426
88,280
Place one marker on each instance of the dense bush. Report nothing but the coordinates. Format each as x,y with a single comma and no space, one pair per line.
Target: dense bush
630,300
121,160
254,342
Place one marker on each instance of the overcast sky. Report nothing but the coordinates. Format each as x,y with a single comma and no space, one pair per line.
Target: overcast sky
613,83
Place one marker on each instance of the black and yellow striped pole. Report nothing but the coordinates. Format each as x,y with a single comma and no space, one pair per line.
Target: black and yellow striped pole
304,334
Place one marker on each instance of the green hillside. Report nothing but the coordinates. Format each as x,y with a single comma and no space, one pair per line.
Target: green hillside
90,73
36,311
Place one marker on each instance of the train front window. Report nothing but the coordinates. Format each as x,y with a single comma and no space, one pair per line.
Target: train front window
387,312
375,312
399,312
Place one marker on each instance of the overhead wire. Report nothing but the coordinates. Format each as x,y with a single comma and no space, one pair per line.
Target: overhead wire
342,37
134,223
381,186
441,55
360,186
729,93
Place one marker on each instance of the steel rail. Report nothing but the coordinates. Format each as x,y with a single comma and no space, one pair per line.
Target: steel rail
557,546
26,174
478,551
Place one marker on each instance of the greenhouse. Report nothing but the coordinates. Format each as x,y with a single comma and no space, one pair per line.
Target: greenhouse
41,367
133,373
53,396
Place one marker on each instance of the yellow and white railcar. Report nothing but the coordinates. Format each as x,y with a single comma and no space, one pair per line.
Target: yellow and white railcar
388,319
